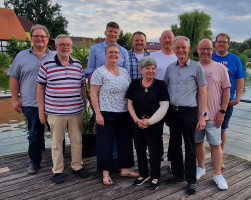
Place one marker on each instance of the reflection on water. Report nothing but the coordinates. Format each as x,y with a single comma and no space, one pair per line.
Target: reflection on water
4,83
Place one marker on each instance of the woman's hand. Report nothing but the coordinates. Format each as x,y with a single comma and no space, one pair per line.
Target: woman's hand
100,120
142,124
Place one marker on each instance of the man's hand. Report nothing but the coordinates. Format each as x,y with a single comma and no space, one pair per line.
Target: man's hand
42,117
233,102
201,123
17,106
218,119
142,124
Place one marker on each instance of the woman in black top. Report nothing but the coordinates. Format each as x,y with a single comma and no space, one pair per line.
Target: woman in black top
148,104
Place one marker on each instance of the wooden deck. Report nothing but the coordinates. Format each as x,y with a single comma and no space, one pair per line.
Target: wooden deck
17,184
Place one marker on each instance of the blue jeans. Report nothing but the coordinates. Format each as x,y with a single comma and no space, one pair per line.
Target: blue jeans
36,134
227,117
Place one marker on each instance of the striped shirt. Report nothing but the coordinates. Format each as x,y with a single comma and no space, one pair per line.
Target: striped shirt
63,86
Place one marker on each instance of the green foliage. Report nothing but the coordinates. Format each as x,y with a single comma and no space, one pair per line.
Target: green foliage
235,51
194,25
5,61
247,53
14,46
125,40
249,65
41,12
244,60
81,53
248,41
243,46
88,125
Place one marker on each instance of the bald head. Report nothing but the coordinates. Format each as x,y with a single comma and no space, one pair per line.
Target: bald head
166,40
205,51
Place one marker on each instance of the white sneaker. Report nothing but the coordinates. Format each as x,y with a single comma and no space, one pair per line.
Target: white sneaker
200,172
221,182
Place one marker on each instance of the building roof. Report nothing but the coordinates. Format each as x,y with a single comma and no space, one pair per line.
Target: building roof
26,23
79,40
10,25
153,46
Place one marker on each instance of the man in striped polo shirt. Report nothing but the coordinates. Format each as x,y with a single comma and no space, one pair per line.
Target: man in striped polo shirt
61,101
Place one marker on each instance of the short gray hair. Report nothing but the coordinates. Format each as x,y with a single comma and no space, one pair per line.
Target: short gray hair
39,26
62,36
147,61
112,44
181,37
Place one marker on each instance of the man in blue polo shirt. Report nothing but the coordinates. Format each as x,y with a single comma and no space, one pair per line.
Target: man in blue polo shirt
236,73
23,77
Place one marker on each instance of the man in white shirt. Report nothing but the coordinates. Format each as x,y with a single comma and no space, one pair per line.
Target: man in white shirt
165,56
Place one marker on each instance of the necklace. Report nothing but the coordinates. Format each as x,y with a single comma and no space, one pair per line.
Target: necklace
146,88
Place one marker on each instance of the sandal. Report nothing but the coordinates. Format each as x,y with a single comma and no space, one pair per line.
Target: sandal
131,174
107,180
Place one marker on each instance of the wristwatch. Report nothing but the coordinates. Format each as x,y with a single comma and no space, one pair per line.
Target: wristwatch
204,114
222,111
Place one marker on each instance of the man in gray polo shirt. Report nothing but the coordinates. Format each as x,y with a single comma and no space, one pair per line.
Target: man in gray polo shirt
183,79
23,79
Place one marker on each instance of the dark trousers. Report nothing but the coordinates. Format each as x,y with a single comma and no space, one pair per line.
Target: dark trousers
36,134
151,138
183,123
116,125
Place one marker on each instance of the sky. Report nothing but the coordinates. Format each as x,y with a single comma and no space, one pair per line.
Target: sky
88,18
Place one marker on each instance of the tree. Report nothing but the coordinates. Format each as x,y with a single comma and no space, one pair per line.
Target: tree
194,25
248,41
243,46
5,61
41,12
14,46
125,40
247,53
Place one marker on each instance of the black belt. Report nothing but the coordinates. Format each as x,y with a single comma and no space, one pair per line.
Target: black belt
182,108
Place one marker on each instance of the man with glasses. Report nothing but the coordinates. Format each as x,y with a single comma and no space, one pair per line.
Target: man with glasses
218,93
23,77
61,101
183,79
236,73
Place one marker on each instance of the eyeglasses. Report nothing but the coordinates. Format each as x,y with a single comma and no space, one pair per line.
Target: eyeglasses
42,36
222,42
205,49
64,44
113,52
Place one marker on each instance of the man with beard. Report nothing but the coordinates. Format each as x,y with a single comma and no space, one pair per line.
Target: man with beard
236,73
136,53
61,101
165,56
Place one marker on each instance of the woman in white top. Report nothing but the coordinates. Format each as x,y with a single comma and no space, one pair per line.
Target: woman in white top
109,84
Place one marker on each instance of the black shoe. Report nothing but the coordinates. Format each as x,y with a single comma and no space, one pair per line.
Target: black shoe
81,173
174,180
140,181
191,189
155,185
33,168
58,178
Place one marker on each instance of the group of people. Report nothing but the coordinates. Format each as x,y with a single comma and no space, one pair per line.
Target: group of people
132,95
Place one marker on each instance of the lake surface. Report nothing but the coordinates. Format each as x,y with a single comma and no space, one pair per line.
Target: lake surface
13,135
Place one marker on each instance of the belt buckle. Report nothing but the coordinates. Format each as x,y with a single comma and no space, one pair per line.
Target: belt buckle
145,117
176,107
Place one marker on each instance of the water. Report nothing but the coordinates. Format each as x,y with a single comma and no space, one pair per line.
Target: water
13,135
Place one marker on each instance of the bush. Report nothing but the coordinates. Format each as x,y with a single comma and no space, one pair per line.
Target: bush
16,45
247,53
5,61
